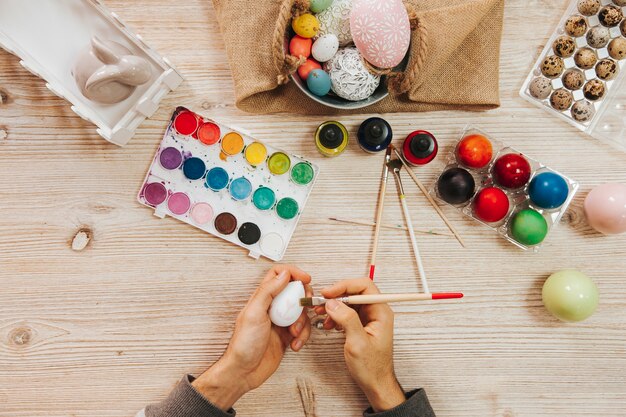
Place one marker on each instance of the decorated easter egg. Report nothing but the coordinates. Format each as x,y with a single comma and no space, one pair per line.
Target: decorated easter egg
511,171
570,295
299,46
285,308
325,47
320,5
474,151
456,186
529,227
318,82
307,67
491,205
350,79
335,19
605,208
306,25
548,190
381,31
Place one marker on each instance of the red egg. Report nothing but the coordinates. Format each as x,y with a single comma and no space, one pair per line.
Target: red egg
299,46
474,151
307,67
511,171
491,205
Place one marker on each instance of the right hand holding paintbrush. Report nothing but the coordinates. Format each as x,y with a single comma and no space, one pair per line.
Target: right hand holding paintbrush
368,349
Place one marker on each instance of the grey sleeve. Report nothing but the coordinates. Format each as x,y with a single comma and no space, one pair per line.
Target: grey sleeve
185,401
416,405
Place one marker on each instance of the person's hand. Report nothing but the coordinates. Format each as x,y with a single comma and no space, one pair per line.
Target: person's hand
369,342
257,346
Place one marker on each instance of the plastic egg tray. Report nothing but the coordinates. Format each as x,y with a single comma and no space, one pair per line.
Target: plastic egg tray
608,122
518,198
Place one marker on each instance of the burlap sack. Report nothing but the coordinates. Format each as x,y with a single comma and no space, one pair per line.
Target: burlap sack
454,57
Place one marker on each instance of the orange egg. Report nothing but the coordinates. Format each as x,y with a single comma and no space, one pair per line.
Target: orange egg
299,46
474,151
307,67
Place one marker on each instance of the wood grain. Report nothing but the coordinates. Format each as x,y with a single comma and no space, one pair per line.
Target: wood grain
106,330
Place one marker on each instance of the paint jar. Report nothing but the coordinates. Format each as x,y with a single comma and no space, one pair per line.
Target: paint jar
232,144
249,233
374,135
217,179
155,193
240,188
331,138
209,133
272,244
194,168
419,148
186,123
256,153
302,173
202,213
264,198
179,203
170,158
279,163
225,223
287,208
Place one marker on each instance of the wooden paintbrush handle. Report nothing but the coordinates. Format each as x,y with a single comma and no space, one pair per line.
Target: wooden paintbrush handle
386,298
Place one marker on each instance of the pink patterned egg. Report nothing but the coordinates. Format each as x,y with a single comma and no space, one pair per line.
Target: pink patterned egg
381,31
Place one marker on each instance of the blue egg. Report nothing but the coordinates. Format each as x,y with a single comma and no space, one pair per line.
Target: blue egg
548,190
318,82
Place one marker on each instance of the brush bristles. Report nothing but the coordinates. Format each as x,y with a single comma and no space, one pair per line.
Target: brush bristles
306,302
312,301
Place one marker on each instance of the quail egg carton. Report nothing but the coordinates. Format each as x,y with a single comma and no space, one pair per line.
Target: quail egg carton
601,117
518,198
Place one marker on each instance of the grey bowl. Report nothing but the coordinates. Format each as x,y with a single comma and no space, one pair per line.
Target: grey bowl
336,102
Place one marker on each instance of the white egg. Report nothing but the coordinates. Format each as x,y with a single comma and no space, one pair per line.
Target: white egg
286,308
325,47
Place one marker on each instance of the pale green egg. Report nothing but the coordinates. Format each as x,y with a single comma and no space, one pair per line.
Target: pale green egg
570,295
320,5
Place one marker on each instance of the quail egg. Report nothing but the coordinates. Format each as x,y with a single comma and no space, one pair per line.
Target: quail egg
561,99
594,90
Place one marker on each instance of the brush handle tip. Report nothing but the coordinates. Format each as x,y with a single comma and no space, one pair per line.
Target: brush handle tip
447,295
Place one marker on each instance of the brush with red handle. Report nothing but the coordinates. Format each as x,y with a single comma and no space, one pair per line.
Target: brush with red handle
381,298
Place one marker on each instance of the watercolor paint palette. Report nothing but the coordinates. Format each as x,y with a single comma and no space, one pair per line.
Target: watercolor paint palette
505,190
228,184
579,76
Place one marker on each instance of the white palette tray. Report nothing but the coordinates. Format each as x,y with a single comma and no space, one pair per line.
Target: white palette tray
170,182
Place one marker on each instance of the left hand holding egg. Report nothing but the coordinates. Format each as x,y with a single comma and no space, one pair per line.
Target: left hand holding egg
257,346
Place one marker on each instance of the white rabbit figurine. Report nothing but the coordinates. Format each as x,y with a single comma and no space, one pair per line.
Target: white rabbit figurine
107,72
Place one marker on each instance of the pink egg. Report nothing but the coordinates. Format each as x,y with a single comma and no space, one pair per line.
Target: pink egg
605,208
381,31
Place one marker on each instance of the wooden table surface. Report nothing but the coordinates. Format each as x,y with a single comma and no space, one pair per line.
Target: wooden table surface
104,331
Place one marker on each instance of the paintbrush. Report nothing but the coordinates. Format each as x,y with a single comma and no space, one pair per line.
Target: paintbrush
395,166
379,211
381,298
428,197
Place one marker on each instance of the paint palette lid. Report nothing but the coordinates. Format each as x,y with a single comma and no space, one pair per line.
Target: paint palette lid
51,50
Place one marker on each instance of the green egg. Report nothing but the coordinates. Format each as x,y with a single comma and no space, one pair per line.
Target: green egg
570,295
320,5
529,227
